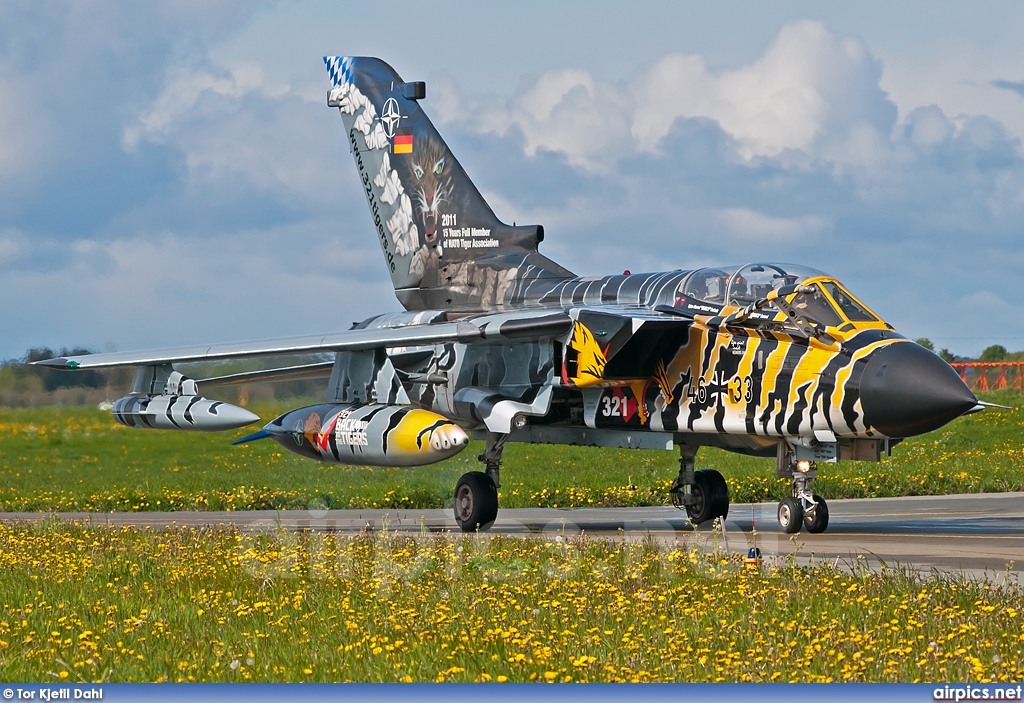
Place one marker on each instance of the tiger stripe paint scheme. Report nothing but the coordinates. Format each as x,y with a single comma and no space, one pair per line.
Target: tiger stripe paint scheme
368,435
737,381
180,412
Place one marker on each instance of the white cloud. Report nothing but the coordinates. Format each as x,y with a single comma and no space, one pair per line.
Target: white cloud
180,95
66,71
743,224
810,88
12,246
811,95
445,99
958,78
24,129
984,300
1007,196
567,110
236,131
928,126
165,289
248,211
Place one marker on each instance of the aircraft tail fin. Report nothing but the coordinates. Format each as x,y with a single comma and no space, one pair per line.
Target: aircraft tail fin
445,248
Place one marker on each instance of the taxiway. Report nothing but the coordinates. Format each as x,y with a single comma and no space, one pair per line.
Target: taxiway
973,534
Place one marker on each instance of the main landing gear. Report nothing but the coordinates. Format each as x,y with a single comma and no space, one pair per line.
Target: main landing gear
703,494
803,508
476,493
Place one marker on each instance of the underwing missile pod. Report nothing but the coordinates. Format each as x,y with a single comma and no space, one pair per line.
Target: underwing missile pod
368,435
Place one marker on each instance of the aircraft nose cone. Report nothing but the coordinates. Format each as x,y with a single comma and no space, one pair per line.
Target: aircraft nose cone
907,390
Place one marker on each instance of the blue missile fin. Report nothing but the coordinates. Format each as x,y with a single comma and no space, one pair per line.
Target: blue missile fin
262,434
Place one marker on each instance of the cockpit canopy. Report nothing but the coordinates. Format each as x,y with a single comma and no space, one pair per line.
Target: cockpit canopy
830,305
742,285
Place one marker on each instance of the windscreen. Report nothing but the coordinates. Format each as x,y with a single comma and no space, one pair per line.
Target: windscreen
816,307
853,310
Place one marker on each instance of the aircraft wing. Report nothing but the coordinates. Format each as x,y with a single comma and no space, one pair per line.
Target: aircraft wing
351,340
518,326
527,324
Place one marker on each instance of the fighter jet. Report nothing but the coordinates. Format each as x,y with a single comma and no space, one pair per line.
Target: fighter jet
500,343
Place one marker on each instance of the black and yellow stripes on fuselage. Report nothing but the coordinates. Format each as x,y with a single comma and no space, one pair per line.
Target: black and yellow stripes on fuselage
758,382
740,379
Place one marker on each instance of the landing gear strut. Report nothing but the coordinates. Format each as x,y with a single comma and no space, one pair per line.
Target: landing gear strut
803,508
476,493
703,494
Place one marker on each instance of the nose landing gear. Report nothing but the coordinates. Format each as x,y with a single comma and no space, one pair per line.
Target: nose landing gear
817,519
790,515
803,508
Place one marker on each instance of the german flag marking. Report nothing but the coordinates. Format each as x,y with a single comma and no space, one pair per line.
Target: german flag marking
402,143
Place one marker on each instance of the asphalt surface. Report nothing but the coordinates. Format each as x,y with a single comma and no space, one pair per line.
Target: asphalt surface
980,535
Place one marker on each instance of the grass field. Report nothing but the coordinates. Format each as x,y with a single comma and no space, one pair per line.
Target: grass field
79,459
106,604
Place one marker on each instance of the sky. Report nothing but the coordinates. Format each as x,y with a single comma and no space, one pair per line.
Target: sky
170,173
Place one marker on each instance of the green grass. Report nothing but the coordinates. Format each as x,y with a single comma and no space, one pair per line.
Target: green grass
79,459
107,604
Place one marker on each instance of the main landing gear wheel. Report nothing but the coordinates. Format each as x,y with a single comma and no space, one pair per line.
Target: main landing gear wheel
816,520
710,496
791,515
476,501
703,494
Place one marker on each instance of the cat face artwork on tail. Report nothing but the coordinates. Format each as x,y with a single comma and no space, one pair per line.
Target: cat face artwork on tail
430,179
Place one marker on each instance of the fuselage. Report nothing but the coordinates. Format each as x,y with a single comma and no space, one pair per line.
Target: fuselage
757,379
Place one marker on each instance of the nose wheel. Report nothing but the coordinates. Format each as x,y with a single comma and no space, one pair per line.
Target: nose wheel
817,519
794,514
790,514
803,509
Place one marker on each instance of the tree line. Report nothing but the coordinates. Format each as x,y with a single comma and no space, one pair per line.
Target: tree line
20,376
993,353
22,383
